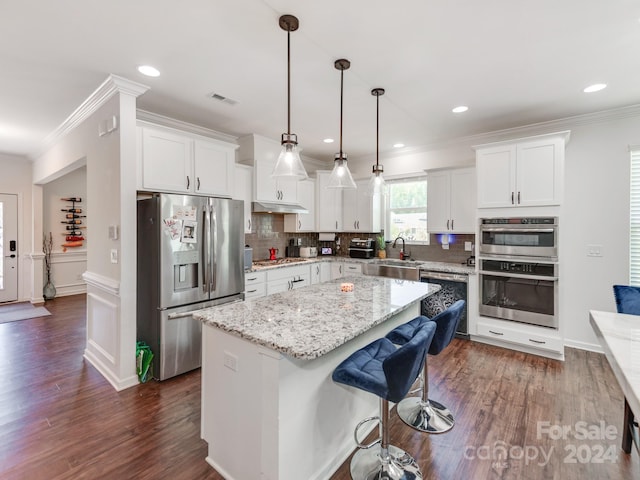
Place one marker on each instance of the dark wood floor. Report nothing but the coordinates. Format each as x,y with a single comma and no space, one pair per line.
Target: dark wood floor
59,419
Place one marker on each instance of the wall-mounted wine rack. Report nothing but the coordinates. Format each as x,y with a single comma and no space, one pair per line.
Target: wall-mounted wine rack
74,235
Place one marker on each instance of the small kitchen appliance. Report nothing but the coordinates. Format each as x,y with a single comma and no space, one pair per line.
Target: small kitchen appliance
308,252
361,248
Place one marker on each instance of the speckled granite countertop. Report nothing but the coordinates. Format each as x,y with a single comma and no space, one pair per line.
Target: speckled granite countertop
423,264
309,322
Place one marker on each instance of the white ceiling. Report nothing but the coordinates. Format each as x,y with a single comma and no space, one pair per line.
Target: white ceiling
513,62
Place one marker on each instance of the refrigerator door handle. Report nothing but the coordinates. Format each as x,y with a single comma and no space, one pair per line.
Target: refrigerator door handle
206,249
214,233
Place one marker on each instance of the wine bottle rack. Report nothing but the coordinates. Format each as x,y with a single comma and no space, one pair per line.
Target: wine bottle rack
74,235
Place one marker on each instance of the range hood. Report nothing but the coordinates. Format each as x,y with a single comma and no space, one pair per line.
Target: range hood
268,207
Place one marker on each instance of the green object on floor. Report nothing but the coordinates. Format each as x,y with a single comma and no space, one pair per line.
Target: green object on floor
144,356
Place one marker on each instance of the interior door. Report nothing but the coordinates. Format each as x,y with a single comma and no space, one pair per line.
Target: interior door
8,248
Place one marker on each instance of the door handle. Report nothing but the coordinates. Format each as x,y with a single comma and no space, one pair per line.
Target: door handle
13,255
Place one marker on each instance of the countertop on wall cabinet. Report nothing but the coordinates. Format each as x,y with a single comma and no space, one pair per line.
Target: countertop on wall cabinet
309,322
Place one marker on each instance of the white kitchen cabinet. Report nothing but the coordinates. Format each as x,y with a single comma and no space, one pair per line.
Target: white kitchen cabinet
329,204
451,200
288,278
525,172
178,162
361,211
303,222
255,284
517,336
320,272
262,153
343,269
243,191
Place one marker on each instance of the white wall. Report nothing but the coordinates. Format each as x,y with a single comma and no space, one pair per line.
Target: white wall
595,208
16,180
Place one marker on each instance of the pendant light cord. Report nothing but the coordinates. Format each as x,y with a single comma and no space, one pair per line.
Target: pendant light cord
341,89
377,128
288,83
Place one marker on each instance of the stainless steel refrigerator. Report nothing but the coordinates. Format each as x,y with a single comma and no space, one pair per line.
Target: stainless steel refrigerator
190,256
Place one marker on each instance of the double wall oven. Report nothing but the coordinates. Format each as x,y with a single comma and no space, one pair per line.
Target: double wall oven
519,269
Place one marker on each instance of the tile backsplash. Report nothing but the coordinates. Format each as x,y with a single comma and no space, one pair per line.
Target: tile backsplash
269,233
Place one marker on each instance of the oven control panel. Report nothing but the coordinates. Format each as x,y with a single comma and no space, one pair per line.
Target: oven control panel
528,268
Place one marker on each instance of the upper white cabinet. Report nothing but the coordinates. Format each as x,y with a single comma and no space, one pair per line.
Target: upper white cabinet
303,222
525,172
244,191
175,161
451,200
263,154
361,211
329,204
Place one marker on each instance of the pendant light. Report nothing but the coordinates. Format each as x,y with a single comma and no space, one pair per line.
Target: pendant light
376,184
341,176
289,164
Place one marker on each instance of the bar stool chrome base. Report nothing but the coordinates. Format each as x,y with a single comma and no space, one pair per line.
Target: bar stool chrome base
429,416
368,464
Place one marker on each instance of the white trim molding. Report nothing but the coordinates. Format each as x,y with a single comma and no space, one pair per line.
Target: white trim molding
112,85
108,285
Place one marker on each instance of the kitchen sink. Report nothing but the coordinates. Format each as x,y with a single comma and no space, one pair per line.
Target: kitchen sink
402,269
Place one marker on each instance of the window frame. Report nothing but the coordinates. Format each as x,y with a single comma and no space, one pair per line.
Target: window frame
388,209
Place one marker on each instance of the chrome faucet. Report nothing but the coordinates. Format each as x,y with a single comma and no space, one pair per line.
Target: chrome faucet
403,256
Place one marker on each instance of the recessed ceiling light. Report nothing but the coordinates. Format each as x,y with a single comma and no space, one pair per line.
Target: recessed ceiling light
460,109
596,87
398,145
328,140
149,71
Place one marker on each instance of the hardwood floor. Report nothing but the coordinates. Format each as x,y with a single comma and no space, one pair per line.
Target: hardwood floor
59,418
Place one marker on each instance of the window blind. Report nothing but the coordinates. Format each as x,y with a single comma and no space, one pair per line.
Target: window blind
634,240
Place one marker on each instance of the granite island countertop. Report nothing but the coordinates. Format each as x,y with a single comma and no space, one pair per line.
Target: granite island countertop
309,322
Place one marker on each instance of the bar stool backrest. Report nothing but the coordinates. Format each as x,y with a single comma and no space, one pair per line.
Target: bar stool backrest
627,299
446,325
401,368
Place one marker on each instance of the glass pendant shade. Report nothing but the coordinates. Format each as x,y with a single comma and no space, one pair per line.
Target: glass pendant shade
340,175
377,185
289,163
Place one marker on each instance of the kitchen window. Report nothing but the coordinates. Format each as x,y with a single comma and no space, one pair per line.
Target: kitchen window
634,219
406,210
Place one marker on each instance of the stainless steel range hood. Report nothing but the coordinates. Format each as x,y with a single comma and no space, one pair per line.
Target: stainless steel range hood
267,207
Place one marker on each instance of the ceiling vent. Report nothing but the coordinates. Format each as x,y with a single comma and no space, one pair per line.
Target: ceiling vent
222,98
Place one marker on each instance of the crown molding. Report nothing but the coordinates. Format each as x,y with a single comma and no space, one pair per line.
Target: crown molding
541,128
112,85
157,119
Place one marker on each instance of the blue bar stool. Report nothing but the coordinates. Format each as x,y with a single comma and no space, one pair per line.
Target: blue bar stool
421,413
388,372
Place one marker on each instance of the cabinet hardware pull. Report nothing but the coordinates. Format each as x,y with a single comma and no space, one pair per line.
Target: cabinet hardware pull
496,333
336,224
518,198
299,225
452,224
188,182
198,182
252,291
298,280
447,224
511,198
249,222
354,224
358,224
251,279
540,342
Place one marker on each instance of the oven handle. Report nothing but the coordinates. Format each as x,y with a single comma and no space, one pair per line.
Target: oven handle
518,275
453,277
517,229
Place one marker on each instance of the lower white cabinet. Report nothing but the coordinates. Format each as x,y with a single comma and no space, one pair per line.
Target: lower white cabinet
255,284
342,269
515,335
288,278
320,272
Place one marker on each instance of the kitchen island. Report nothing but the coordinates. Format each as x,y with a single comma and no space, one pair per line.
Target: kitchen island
269,407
